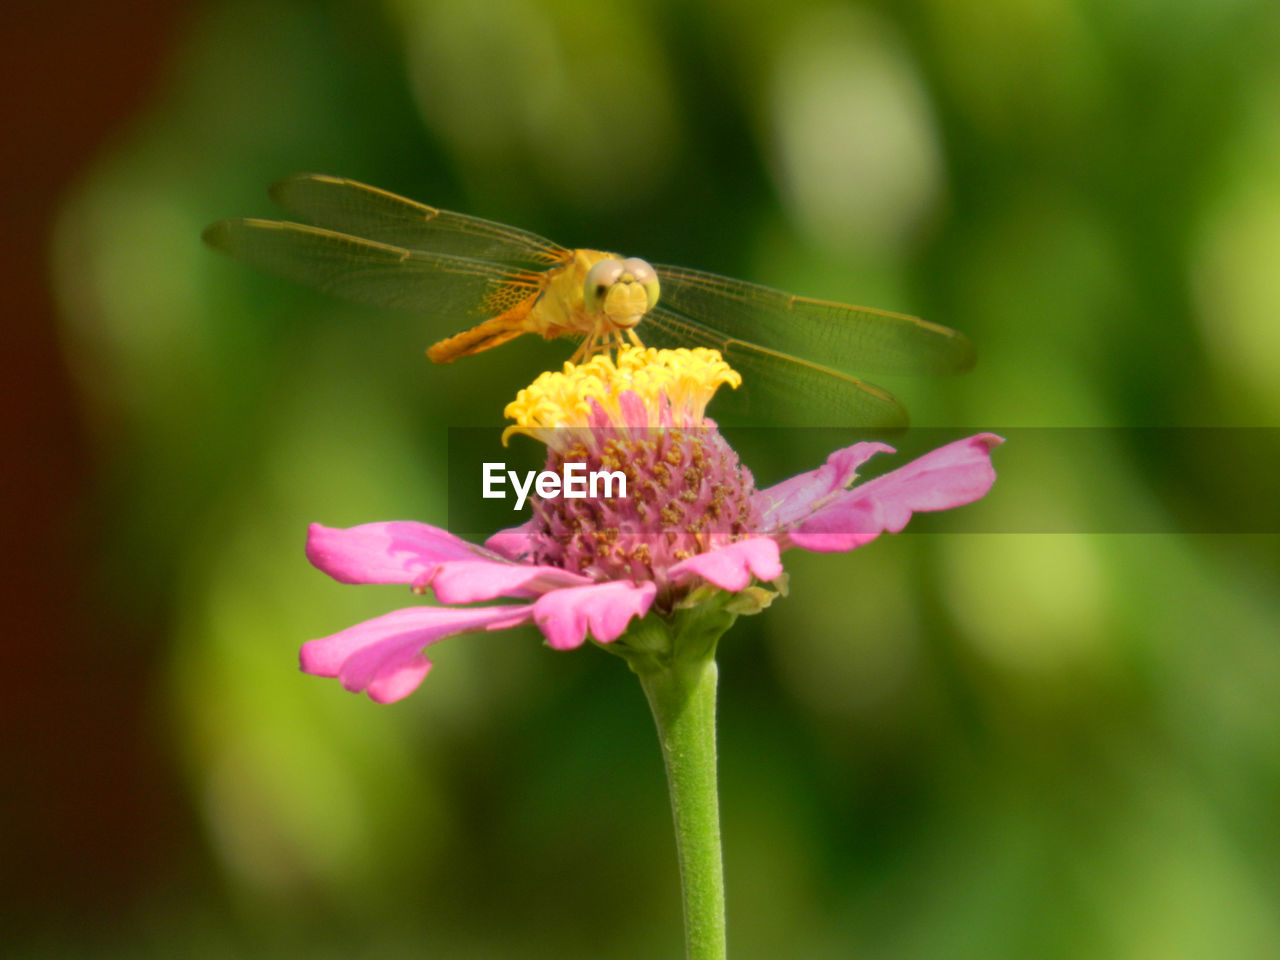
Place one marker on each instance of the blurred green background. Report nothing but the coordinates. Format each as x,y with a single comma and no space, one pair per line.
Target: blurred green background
944,745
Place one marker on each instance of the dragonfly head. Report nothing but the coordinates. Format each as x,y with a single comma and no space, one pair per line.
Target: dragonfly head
623,290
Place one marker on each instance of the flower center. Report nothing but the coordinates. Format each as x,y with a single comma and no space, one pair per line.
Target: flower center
642,416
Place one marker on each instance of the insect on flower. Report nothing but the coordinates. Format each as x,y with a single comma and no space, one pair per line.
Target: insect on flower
371,246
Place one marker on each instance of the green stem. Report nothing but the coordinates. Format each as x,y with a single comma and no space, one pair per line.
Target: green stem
682,695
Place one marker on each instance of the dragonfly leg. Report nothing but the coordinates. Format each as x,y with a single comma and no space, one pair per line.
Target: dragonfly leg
588,348
634,338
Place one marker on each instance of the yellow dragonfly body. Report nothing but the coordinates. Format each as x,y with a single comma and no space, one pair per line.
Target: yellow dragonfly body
794,353
591,294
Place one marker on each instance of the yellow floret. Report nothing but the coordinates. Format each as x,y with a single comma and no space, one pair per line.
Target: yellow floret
687,379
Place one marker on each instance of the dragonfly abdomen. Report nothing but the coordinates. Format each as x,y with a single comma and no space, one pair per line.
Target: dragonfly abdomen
493,332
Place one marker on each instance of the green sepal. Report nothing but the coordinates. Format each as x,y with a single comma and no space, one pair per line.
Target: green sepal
688,635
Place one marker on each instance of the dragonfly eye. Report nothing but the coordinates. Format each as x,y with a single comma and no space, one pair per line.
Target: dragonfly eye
599,279
646,276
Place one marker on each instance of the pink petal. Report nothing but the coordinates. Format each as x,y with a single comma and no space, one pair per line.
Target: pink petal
565,616
795,498
732,567
470,581
514,543
383,656
396,683
950,476
395,552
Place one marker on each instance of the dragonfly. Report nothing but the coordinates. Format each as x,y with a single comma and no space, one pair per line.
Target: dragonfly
795,354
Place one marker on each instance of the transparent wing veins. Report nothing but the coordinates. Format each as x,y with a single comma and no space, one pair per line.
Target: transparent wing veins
357,209
776,385
845,336
368,271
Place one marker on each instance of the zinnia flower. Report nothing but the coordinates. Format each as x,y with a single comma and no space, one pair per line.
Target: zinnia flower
692,528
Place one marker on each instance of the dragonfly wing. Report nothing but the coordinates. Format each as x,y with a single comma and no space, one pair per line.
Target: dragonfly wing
353,208
855,338
777,387
370,272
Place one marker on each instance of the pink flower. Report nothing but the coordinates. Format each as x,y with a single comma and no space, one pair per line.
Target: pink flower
574,580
